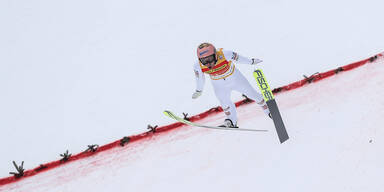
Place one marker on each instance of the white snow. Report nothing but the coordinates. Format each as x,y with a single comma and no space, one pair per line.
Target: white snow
74,73
335,145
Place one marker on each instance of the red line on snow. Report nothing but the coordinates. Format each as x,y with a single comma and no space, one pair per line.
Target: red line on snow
134,138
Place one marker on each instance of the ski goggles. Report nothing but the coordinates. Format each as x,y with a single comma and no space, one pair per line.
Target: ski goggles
207,60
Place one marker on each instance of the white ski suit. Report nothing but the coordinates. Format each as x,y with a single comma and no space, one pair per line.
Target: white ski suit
226,78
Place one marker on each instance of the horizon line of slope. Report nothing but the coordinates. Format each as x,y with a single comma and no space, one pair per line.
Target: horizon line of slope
122,142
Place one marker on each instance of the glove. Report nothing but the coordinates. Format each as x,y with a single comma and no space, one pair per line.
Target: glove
196,94
256,61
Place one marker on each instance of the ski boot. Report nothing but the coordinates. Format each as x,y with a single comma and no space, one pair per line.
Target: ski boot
265,108
228,124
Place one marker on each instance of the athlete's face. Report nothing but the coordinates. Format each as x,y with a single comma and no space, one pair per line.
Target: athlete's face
209,61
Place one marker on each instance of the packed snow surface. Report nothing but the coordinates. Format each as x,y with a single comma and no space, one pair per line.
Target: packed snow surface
75,73
336,138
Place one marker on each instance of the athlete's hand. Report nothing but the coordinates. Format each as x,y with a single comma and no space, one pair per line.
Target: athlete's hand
256,61
196,94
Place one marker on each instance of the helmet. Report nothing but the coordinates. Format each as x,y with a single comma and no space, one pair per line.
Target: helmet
206,53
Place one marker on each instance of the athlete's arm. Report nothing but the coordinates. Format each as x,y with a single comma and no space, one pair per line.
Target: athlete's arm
239,58
200,78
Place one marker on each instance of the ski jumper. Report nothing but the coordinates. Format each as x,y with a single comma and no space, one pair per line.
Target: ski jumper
226,78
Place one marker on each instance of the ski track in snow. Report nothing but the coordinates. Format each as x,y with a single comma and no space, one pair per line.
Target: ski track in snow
336,138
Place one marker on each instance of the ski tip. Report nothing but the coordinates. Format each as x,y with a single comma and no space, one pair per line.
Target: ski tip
167,113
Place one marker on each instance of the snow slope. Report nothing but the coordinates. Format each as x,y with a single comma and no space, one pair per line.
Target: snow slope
74,73
336,138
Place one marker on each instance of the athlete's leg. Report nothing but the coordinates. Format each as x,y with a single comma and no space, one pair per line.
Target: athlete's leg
224,96
243,86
